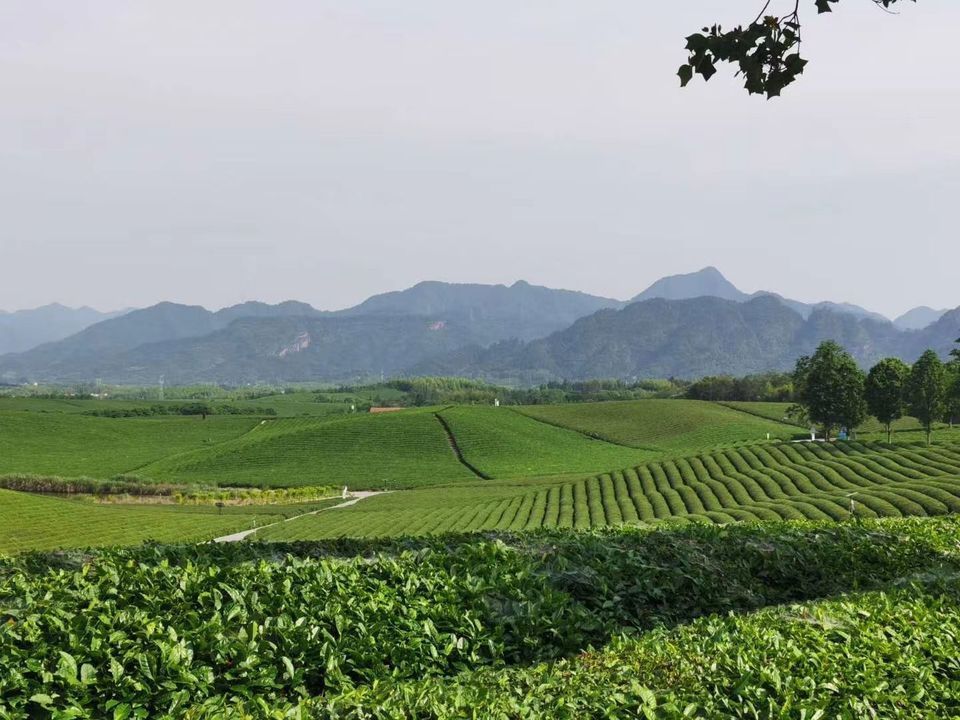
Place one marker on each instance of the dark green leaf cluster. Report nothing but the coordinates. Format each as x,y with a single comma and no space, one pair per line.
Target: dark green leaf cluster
192,631
766,52
887,654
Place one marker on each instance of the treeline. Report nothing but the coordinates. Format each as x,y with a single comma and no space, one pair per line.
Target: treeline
764,387
427,391
833,393
201,409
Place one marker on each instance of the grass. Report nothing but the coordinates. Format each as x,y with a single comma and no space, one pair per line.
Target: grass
775,620
32,522
665,426
424,511
73,445
363,451
767,482
503,443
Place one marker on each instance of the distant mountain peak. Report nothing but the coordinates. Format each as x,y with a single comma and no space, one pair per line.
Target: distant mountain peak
918,318
707,282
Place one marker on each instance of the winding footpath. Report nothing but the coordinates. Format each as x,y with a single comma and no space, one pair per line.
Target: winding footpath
355,497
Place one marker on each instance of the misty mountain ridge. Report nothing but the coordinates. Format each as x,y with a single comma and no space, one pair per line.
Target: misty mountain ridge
710,282
919,318
494,312
25,329
518,332
691,338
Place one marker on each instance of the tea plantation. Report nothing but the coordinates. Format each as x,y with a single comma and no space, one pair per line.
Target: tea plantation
665,425
832,620
363,451
35,522
642,559
764,482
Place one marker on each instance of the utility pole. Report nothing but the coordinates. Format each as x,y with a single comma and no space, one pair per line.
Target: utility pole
161,387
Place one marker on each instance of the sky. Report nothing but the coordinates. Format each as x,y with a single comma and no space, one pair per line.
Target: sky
230,150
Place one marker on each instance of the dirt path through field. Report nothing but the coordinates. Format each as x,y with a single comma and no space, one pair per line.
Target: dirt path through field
355,497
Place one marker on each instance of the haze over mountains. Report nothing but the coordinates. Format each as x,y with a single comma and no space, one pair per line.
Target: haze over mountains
26,329
683,326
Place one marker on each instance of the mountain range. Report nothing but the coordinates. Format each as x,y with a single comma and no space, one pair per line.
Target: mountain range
26,329
682,326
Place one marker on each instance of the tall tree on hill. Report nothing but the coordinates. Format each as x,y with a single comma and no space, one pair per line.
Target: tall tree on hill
766,51
952,410
884,391
830,388
926,390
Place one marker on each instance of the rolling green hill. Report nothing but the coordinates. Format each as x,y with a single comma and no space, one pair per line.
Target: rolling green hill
404,449
669,426
73,445
502,443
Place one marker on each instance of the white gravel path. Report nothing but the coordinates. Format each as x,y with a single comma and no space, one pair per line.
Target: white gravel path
355,497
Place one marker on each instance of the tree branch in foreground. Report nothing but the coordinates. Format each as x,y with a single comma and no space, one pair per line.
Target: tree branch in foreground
767,51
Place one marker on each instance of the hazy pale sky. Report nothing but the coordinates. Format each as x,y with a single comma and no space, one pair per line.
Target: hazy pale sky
226,150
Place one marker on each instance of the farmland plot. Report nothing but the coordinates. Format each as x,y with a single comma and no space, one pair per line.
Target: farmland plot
766,482
666,426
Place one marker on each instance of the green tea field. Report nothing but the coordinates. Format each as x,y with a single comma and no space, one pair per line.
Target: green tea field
764,482
635,559
665,426
35,522
74,445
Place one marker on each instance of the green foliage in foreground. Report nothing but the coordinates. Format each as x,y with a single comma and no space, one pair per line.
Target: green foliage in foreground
191,630
888,654
765,52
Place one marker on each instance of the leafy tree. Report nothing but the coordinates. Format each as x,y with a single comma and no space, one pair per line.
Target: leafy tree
884,391
830,388
952,410
766,51
926,390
